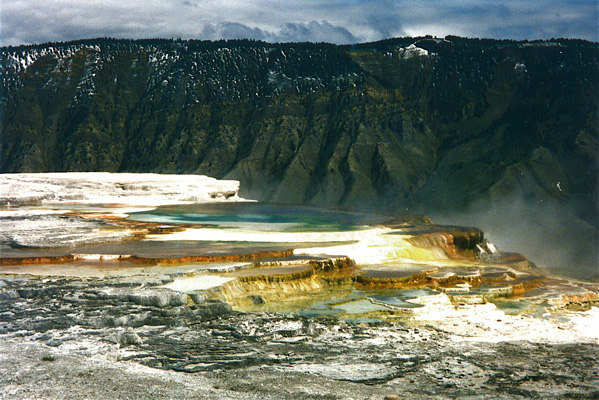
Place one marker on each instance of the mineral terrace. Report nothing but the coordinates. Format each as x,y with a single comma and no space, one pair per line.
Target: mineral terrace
97,305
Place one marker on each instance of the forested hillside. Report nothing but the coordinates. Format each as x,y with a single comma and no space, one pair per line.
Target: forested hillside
413,124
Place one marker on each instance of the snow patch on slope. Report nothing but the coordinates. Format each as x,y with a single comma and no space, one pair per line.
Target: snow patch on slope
412,51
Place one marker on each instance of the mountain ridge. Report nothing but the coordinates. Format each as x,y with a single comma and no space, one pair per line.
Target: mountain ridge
402,125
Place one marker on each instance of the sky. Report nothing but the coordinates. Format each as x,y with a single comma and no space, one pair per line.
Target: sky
335,21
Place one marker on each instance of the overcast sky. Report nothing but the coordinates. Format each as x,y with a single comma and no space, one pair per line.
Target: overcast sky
337,21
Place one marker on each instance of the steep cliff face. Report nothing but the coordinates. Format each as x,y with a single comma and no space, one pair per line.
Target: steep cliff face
417,123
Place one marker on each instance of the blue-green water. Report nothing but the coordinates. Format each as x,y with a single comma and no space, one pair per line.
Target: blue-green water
260,216
364,302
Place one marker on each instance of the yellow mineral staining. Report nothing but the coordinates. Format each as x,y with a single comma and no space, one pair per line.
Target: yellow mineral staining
277,284
414,253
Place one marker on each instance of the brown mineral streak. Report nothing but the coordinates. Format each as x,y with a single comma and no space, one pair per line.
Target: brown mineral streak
333,269
11,261
210,259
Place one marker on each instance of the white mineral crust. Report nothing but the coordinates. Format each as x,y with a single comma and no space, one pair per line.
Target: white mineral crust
104,187
24,226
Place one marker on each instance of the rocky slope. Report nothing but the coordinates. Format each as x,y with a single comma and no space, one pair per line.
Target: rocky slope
424,124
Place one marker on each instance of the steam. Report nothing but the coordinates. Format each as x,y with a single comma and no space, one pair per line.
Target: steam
547,232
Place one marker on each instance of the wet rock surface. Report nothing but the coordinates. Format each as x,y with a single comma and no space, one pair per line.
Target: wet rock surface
316,307
99,336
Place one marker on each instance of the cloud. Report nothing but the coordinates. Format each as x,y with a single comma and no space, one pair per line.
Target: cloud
233,30
30,21
338,21
315,32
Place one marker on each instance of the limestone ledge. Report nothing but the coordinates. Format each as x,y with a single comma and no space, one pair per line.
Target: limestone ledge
472,273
